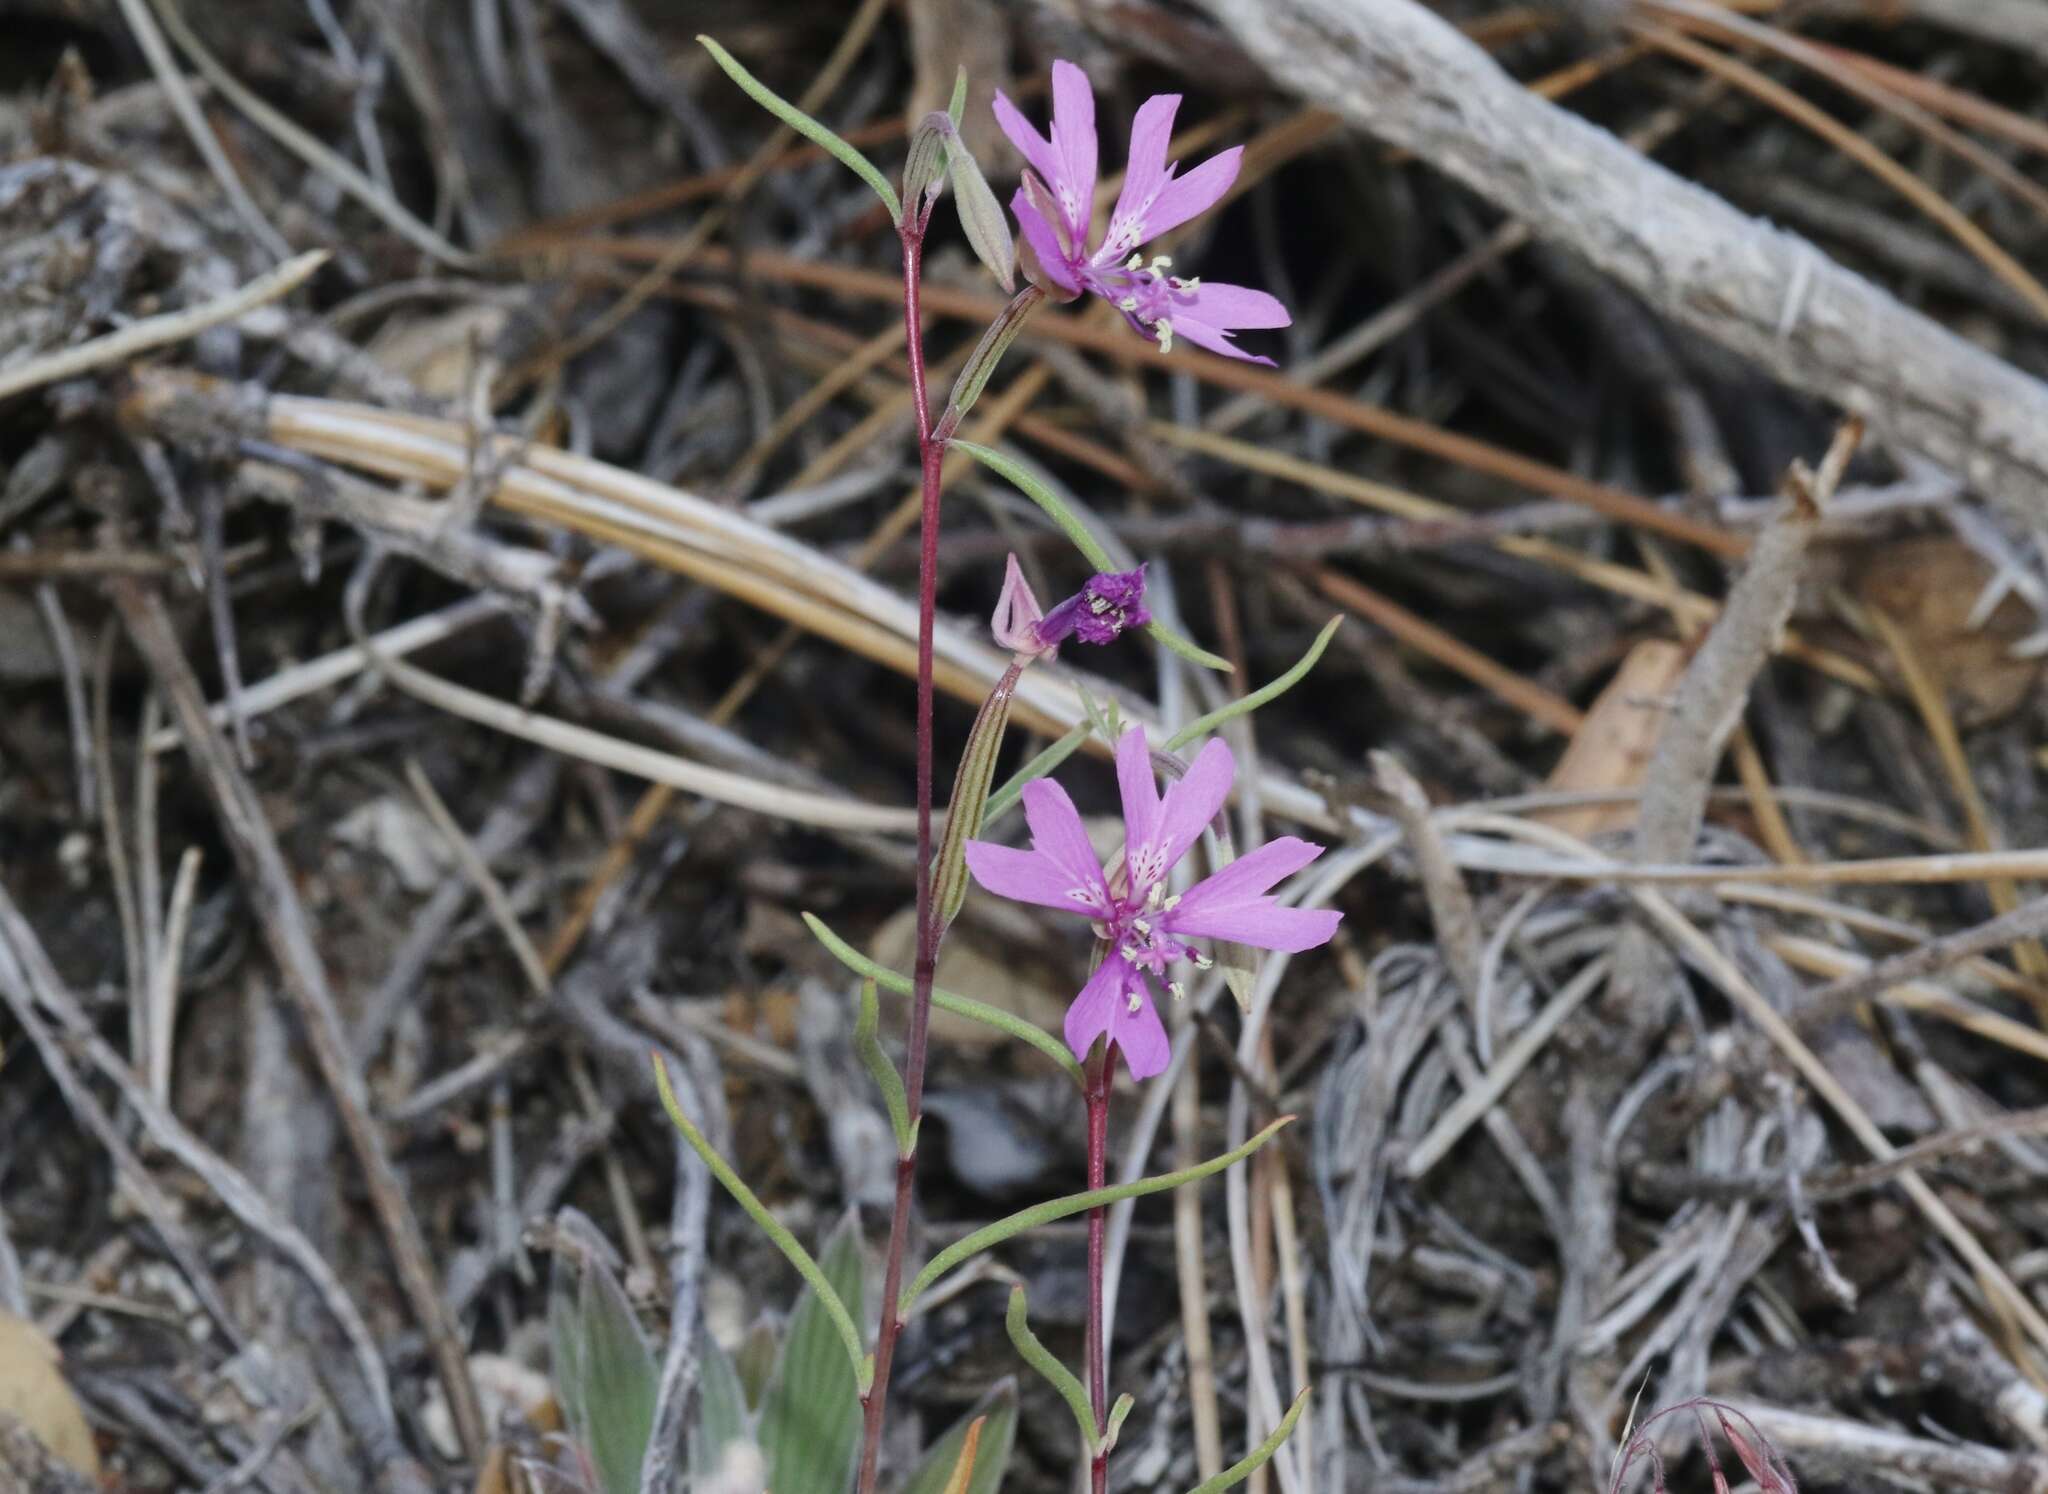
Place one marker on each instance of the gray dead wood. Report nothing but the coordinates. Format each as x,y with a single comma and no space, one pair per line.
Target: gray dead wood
274,896
1393,68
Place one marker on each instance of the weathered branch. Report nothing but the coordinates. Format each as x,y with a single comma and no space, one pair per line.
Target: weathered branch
1395,69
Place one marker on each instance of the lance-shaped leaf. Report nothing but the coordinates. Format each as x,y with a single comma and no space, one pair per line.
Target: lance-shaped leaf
990,1235
1261,1455
1034,487
981,363
961,1006
811,1416
971,782
606,1378
722,1414
829,1299
804,125
996,1414
867,1042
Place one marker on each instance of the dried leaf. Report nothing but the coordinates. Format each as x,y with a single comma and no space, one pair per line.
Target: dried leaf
33,1392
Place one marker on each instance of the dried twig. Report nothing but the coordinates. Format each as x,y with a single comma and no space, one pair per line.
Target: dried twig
283,921
159,331
1396,69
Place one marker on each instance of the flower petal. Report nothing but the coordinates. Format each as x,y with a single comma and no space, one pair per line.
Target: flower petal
1220,304
1190,804
1075,149
1140,794
1141,1036
1192,195
1044,240
1058,835
1260,922
1025,876
1146,175
1251,875
1215,339
1095,1011
1034,147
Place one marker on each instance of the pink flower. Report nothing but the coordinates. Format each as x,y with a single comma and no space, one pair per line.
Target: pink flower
1145,926
1055,204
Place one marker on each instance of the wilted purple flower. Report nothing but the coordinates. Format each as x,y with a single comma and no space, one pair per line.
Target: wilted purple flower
1099,611
1111,602
1147,927
1055,204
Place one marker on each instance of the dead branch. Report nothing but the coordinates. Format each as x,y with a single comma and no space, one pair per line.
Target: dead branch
1397,70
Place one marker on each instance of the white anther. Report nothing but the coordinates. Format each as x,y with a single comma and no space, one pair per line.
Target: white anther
1136,1002
1165,330
1161,262
1176,990
1128,303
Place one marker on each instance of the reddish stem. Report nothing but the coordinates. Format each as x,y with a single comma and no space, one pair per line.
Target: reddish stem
931,454
1095,1347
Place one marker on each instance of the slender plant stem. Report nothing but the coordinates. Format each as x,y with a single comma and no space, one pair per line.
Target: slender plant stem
930,455
1096,1345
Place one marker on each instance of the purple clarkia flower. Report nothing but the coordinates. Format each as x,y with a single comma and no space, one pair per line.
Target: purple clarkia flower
1146,926
1056,203
1111,602
1098,613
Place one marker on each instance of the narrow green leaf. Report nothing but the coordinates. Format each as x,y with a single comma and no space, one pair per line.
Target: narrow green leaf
804,125
1272,690
1074,1203
811,1417
981,216
867,1043
970,793
1237,1473
773,1228
1042,1359
958,105
1004,799
1117,1415
722,1415
960,1006
606,1378
1034,487
988,353
997,1412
